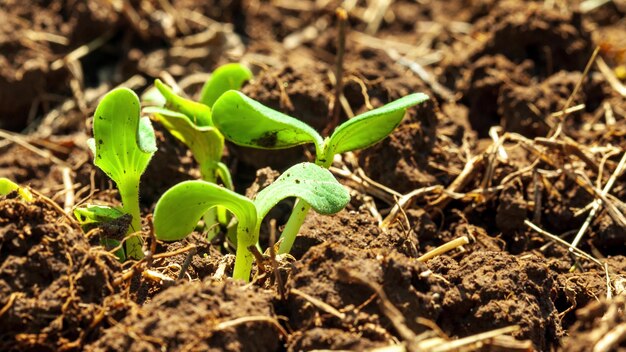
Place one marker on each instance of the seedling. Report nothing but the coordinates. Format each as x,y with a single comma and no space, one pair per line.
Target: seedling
191,123
179,209
7,186
123,144
106,218
249,123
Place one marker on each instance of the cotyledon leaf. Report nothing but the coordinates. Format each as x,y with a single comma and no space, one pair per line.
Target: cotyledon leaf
247,122
309,182
198,113
224,78
7,186
124,142
373,126
206,143
180,208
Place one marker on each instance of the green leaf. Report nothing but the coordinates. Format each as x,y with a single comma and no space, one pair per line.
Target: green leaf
247,122
94,214
123,142
180,208
224,78
152,97
206,143
373,126
309,182
197,113
7,186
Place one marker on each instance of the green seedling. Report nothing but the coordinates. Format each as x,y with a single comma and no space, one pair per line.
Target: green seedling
180,208
111,220
249,123
191,123
123,145
7,186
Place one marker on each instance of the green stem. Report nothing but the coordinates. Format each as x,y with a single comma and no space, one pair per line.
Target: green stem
244,258
300,210
129,192
207,171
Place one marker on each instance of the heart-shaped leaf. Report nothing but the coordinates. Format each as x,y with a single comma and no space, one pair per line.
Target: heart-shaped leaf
249,123
180,208
309,182
224,78
123,143
371,127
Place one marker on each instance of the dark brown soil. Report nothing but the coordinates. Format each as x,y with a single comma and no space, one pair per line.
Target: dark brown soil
54,288
199,316
489,66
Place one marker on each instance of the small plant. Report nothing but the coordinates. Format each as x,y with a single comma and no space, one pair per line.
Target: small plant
191,123
249,123
123,145
7,186
177,212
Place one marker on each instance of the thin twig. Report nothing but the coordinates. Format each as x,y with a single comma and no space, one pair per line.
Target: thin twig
561,242
614,82
19,140
342,18
598,202
68,204
319,304
446,247
251,319
568,103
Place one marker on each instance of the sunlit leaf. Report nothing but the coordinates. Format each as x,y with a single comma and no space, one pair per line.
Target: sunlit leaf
224,78
247,122
373,126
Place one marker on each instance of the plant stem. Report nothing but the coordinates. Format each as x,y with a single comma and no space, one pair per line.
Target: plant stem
244,258
300,210
129,192
210,218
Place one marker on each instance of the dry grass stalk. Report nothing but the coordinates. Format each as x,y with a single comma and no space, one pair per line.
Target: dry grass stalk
598,202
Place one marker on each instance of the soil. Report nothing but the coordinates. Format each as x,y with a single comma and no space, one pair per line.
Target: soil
490,154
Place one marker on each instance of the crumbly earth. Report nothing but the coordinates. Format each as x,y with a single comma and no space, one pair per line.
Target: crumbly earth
53,286
499,73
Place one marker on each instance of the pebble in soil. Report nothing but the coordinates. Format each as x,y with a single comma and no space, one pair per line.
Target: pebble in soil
53,284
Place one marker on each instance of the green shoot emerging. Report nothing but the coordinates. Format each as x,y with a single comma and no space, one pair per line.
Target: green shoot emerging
191,123
91,216
123,144
247,122
7,186
179,209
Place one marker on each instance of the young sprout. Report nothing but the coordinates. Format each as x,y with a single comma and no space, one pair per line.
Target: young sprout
7,186
179,209
123,145
91,216
190,122
249,123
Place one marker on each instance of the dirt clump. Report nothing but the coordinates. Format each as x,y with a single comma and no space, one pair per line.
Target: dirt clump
416,153
496,289
198,316
317,275
52,283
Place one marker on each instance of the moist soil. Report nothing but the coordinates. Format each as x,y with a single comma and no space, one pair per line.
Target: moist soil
490,154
